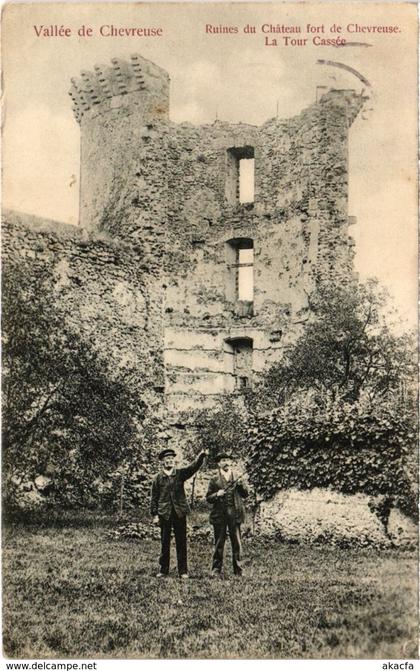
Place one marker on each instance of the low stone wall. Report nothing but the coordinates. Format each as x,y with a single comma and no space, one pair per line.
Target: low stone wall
324,515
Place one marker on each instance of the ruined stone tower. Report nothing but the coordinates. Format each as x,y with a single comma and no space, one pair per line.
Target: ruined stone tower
230,271
123,115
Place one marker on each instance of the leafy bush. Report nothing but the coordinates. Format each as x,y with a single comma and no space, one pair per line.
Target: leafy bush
222,428
65,414
340,409
349,345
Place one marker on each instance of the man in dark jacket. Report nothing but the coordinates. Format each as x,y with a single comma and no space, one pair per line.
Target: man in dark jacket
226,494
169,508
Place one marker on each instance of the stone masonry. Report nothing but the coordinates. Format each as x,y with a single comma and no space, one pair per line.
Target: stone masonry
164,200
172,192
104,289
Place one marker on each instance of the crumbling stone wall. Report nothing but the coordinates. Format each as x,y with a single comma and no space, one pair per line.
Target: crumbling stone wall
298,223
122,153
105,291
322,515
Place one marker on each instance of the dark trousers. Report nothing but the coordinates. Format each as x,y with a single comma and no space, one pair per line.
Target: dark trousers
179,525
229,524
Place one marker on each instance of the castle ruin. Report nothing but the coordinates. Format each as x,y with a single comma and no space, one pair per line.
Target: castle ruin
194,277
197,249
229,268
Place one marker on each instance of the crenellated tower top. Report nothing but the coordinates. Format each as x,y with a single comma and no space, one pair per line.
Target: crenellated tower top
98,90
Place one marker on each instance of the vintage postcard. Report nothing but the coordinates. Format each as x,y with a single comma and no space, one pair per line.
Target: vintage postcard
209,299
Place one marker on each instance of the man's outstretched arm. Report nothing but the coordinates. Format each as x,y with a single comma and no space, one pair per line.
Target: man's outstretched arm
189,470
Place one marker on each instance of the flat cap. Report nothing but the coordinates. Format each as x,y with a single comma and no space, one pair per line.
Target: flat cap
168,452
222,455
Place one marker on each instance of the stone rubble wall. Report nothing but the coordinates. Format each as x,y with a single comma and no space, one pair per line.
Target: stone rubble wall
298,224
320,515
169,190
104,291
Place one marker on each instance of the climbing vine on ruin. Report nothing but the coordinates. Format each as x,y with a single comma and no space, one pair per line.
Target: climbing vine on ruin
342,407
350,447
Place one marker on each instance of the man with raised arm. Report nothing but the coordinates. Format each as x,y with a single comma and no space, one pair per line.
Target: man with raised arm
169,508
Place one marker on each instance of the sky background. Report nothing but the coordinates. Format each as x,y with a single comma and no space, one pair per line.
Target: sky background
233,77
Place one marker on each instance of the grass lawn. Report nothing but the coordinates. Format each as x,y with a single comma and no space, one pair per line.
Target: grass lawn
70,592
